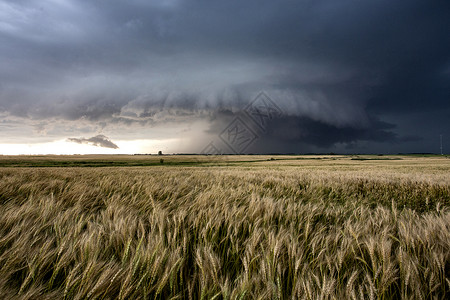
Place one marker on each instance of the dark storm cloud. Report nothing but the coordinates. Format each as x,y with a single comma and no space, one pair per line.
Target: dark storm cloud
98,141
342,71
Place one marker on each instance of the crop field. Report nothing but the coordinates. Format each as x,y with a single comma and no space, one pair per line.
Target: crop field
224,227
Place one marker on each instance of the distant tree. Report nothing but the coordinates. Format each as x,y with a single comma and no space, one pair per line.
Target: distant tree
160,152
161,161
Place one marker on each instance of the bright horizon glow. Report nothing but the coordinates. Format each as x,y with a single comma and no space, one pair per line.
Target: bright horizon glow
63,147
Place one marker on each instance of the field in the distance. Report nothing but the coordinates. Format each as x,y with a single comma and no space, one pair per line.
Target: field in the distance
224,227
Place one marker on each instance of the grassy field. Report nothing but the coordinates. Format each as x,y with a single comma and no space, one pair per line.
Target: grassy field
226,227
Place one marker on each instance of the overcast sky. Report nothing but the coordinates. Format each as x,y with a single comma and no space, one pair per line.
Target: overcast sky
134,76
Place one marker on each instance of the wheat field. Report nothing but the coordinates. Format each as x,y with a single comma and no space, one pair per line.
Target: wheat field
229,227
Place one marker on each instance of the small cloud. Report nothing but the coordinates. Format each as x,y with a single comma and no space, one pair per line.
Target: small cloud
98,141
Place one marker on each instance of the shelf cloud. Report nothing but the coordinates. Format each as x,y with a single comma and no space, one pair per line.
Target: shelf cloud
348,73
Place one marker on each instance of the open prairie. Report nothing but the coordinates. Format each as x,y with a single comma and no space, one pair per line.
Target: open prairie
224,227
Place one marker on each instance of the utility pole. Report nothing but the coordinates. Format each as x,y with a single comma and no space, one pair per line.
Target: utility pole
441,145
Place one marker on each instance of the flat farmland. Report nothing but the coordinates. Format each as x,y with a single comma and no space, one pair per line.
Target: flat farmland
224,227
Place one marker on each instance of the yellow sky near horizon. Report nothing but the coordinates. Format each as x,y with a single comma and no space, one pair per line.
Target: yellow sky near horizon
66,147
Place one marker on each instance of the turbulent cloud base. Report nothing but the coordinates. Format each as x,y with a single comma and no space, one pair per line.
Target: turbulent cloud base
351,76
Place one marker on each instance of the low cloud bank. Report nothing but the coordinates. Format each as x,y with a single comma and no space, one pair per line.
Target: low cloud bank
98,141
